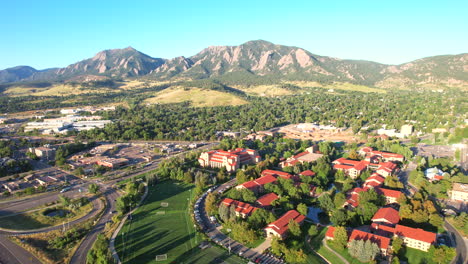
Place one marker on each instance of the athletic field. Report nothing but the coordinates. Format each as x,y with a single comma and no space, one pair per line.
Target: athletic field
161,231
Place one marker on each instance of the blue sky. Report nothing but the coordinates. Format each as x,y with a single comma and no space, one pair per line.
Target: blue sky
46,34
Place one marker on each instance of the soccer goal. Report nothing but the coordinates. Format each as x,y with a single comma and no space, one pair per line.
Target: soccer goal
161,257
161,212
163,204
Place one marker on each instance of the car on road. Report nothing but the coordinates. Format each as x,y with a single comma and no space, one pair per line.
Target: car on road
66,189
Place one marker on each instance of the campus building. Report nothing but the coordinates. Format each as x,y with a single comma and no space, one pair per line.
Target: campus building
308,155
242,209
280,227
459,192
231,159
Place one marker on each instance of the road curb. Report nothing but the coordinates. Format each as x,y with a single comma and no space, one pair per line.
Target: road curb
116,232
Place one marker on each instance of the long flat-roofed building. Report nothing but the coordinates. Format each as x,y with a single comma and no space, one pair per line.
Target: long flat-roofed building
460,192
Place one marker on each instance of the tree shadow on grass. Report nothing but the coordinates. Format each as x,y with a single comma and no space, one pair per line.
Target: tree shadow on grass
19,221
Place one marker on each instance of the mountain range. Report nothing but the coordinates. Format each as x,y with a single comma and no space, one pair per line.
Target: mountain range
253,59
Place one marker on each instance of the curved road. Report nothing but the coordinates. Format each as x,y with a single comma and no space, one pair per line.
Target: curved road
218,237
80,254
97,207
459,244
11,253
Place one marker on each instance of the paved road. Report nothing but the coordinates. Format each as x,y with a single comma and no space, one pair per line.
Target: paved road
17,206
212,231
10,253
461,257
24,204
97,206
403,175
80,254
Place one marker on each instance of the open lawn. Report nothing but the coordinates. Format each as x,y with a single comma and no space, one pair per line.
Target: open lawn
344,253
158,230
213,255
341,86
415,256
39,219
316,243
54,90
198,97
265,90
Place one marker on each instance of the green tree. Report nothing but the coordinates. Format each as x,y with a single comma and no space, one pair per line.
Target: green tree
294,228
396,245
442,254
224,212
313,230
99,253
302,208
340,237
241,177
65,201
211,203
93,188
338,217
326,202
188,177
436,220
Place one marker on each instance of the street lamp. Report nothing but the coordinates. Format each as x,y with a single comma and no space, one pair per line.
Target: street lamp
229,247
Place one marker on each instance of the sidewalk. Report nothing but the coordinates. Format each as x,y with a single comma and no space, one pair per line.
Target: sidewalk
324,243
116,232
263,246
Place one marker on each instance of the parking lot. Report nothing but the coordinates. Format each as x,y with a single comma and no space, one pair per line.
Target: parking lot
211,227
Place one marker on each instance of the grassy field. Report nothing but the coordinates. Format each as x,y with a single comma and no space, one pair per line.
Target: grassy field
213,255
265,90
151,232
415,256
198,97
54,90
341,86
316,243
38,219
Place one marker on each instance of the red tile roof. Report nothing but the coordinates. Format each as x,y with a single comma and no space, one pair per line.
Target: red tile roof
267,199
388,192
347,164
275,173
366,149
281,225
241,207
382,242
361,165
330,232
265,179
415,233
259,182
383,230
307,173
389,214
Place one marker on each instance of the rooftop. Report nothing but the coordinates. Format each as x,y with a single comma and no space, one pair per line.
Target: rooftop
281,225
267,199
415,233
382,242
389,214
460,187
